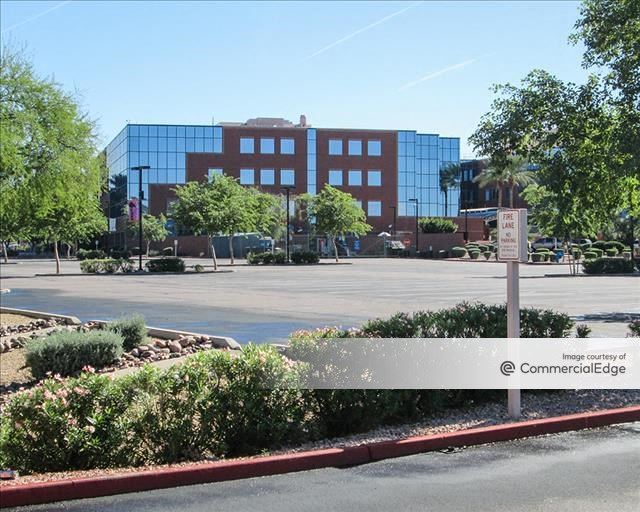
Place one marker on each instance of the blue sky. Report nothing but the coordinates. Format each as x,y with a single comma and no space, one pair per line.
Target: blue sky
426,66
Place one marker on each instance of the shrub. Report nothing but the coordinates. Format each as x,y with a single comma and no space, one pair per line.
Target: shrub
589,255
305,257
611,252
126,266
68,352
110,266
437,225
213,404
166,264
537,257
132,329
634,329
107,265
118,254
474,255
443,253
167,251
607,266
90,254
583,331
484,247
458,252
576,253
599,252
198,268
266,258
90,266
487,255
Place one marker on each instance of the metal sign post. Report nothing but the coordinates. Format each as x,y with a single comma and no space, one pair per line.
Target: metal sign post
512,248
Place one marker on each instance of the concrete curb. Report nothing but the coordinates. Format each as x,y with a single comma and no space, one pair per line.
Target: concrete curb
143,274
47,492
69,320
168,334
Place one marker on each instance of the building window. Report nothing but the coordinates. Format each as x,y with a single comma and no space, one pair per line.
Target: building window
374,208
287,146
211,173
267,177
374,178
374,148
246,145
335,147
355,147
335,177
246,177
355,178
267,146
287,177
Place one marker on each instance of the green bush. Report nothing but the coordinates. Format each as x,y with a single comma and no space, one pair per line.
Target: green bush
589,255
266,258
119,254
443,253
90,266
634,329
132,329
474,255
214,404
127,266
67,352
537,257
198,268
484,247
107,266
599,252
608,266
166,264
576,253
305,257
90,254
437,225
458,252
167,251
611,252
487,255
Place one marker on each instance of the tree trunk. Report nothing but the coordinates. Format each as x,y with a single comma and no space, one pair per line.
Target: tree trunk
148,245
57,255
213,253
446,202
335,248
4,252
513,193
231,249
499,196
68,251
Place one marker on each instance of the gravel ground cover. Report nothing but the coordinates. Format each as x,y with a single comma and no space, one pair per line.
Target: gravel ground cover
534,406
12,319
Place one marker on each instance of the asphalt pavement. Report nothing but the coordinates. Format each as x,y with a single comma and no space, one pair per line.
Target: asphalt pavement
586,471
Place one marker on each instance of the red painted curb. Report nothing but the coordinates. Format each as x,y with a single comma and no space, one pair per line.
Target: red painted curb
47,492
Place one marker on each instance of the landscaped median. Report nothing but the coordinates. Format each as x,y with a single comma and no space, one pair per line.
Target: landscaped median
78,486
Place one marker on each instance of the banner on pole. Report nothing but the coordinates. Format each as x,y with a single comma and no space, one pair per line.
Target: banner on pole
134,209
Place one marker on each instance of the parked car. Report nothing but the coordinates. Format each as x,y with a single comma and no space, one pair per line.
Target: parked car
547,243
581,241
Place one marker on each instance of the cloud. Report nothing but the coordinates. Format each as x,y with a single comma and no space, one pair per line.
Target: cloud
35,17
361,30
438,73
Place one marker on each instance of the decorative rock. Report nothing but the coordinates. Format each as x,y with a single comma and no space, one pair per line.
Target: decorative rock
174,346
161,344
135,352
164,351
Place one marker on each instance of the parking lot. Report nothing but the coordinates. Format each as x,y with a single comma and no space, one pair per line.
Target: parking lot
266,303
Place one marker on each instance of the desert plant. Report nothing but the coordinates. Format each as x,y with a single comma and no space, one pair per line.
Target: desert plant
67,352
132,328
166,264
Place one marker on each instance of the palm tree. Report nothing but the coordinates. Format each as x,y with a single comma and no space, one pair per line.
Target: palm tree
448,179
517,174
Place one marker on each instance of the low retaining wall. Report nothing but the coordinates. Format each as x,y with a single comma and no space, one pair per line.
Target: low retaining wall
69,320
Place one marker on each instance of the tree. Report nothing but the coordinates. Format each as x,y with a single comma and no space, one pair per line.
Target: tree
153,229
270,213
336,213
221,206
492,176
448,179
516,175
48,154
13,216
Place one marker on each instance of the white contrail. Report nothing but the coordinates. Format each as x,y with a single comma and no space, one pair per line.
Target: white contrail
437,73
363,29
39,15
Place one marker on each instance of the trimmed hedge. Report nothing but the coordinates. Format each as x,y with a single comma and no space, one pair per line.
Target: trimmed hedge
437,225
474,255
106,266
611,252
458,252
132,329
266,258
608,266
65,353
166,264
487,255
305,257
90,254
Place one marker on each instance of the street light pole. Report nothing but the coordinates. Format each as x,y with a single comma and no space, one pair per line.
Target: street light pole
288,189
140,168
466,217
414,200
394,208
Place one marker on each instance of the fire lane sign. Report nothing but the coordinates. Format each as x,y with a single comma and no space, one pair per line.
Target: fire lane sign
512,234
